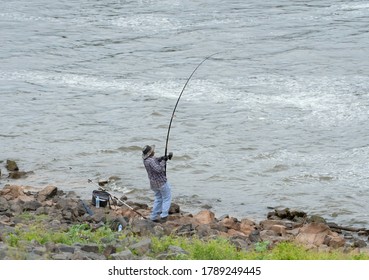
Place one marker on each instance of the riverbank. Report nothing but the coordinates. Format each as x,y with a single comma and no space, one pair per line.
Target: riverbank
49,223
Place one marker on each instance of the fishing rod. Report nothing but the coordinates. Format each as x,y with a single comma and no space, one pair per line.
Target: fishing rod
175,107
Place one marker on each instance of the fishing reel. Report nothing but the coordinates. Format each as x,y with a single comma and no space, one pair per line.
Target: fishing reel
169,156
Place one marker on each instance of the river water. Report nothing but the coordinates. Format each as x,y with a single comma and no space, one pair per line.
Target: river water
277,118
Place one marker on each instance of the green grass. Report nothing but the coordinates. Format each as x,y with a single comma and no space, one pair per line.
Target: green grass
38,232
221,249
214,249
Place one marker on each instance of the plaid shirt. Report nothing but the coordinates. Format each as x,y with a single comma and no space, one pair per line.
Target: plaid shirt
155,171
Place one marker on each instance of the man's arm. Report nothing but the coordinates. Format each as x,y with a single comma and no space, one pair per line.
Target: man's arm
157,167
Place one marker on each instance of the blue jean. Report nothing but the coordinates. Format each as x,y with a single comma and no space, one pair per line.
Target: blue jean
162,201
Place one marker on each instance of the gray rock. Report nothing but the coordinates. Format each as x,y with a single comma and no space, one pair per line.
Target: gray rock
317,219
186,230
177,250
240,244
62,256
255,236
174,208
3,251
31,205
124,255
141,247
62,248
143,227
4,205
83,255
11,165
359,243
47,193
90,248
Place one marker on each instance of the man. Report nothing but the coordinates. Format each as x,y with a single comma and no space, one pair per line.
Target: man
155,168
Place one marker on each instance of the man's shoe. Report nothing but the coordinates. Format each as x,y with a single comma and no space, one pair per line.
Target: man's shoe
163,220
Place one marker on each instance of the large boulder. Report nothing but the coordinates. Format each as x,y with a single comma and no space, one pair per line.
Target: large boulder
205,217
230,223
47,193
313,234
12,192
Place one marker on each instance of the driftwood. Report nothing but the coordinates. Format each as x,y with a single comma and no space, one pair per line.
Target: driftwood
345,228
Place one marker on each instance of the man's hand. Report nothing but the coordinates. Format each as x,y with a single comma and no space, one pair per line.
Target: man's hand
169,156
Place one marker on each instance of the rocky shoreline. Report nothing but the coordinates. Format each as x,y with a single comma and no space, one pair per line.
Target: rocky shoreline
65,209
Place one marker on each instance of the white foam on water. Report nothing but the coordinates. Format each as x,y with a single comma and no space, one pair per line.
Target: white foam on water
354,6
324,100
23,17
146,22
78,81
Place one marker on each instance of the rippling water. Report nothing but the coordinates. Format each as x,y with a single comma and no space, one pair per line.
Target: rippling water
277,118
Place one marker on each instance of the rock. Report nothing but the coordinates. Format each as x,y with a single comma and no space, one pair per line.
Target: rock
359,243
233,232
142,227
283,213
137,205
240,243
286,213
185,230
174,208
83,255
297,214
4,205
141,247
314,233
177,250
109,250
32,205
64,210
172,252
268,224
62,248
204,231
11,165
223,217
205,217
334,241
17,174
124,255
317,219
14,207
91,248
11,192
280,230
255,236
47,193
63,256
231,223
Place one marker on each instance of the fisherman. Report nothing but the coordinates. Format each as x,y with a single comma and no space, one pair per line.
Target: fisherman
155,167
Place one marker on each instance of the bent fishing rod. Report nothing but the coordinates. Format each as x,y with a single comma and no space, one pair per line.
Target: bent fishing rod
179,97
